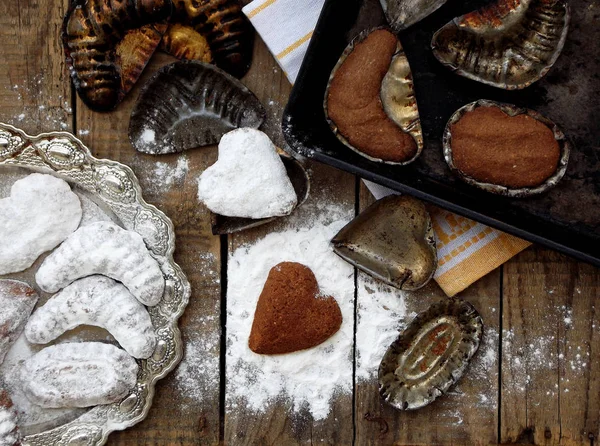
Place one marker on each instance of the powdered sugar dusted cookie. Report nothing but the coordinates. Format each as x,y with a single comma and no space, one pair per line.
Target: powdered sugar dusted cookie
99,301
39,214
17,300
78,374
9,431
104,248
248,180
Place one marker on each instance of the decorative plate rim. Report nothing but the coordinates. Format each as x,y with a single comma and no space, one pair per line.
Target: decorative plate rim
116,185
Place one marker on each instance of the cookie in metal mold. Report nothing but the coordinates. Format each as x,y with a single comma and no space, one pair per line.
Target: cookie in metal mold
224,27
393,241
222,224
402,14
430,355
535,163
374,111
108,44
509,44
190,104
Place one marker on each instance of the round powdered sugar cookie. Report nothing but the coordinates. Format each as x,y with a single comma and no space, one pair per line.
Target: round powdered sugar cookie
78,374
107,249
17,300
39,214
9,430
99,301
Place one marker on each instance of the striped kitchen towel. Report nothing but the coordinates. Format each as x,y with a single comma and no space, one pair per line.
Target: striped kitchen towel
467,250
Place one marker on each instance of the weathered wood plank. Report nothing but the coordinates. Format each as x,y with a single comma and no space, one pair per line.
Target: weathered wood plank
278,425
186,404
550,367
35,93
468,414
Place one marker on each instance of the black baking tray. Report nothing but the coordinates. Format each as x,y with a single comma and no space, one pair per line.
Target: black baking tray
567,218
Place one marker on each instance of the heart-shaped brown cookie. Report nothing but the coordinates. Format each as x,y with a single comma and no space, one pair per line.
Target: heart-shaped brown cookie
291,313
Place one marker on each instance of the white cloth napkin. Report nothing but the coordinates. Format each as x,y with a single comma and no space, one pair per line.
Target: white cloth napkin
467,250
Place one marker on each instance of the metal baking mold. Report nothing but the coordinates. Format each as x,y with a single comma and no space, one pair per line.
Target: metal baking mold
189,104
430,355
511,110
393,241
300,179
402,14
224,26
108,44
116,187
508,44
396,94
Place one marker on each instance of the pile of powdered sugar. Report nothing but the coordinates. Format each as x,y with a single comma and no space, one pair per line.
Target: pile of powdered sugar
308,379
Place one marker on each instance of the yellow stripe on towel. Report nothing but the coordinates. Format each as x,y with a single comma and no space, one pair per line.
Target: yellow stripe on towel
294,45
265,5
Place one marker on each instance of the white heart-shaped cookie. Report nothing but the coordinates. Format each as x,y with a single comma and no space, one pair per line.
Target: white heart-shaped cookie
249,179
40,213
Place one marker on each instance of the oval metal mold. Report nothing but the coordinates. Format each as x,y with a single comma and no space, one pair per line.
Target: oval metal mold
402,14
509,44
107,45
430,355
190,104
396,95
393,241
300,179
225,28
511,110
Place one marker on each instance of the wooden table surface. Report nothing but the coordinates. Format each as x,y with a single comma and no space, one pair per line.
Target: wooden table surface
541,384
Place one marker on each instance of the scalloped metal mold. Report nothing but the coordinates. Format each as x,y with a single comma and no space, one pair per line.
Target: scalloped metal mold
224,27
511,110
300,179
190,104
107,45
430,355
397,98
393,241
63,155
509,44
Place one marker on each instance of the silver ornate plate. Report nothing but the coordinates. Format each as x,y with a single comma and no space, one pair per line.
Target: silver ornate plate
114,187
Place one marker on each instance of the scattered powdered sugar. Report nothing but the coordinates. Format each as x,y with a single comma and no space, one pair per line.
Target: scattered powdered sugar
381,315
148,136
167,175
308,379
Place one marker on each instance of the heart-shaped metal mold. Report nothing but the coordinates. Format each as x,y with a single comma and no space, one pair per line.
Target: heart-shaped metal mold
510,110
402,14
224,27
190,104
393,241
393,104
300,179
509,44
430,355
108,43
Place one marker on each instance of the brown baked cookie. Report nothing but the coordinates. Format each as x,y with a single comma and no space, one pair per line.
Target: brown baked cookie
17,300
513,151
291,314
9,431
354,102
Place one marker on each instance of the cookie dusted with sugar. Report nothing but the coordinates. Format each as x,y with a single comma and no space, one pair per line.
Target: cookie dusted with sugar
9,430
249,179
107,249
291,313
78,374
98,301
40,213
17,300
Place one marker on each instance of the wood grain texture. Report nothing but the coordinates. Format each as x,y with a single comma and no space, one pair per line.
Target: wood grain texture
186,405
35,93
468,413
550,367
278,425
